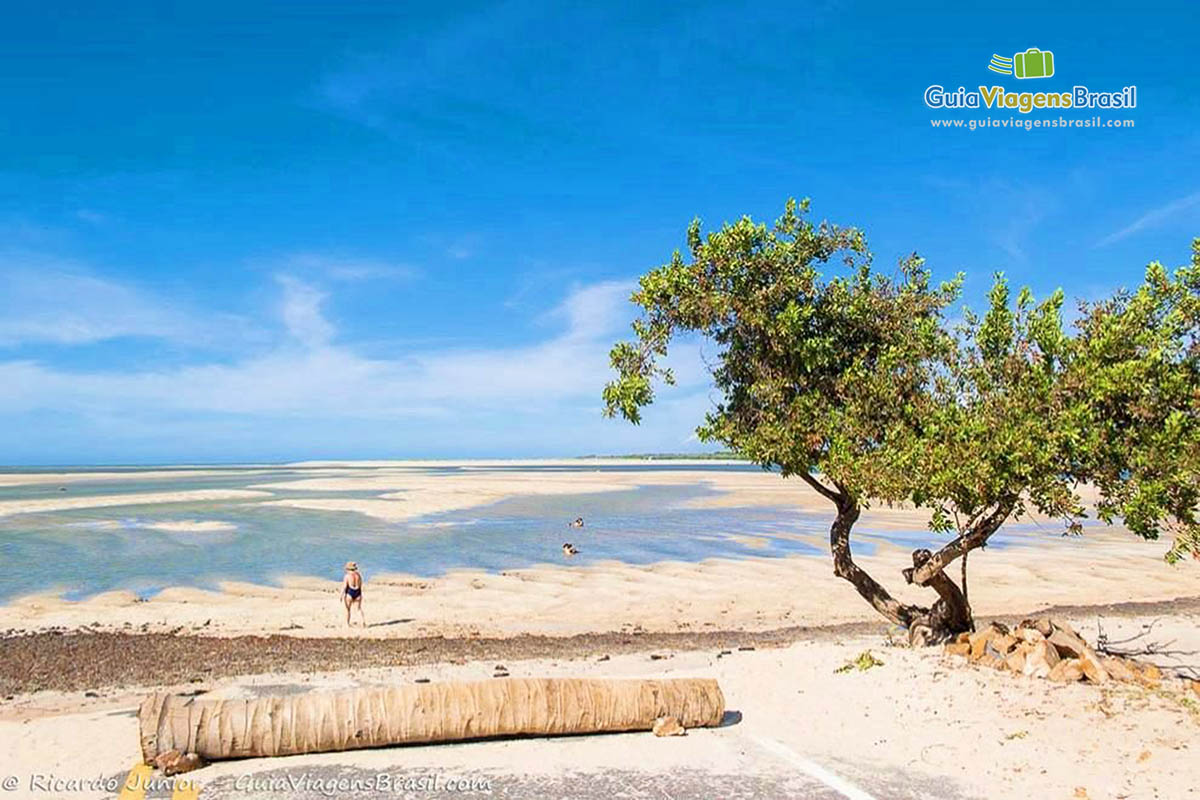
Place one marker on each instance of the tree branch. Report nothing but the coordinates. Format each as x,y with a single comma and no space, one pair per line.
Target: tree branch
977,535
823,490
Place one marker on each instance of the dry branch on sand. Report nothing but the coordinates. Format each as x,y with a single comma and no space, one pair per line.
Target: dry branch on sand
379,716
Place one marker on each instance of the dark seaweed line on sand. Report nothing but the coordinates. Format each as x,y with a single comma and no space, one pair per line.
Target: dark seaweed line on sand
77,661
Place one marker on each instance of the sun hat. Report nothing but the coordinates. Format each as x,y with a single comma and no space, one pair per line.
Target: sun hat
351,566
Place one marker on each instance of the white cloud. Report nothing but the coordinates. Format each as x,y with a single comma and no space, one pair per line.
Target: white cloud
1153,217
301,312
314,377
45,300
600,308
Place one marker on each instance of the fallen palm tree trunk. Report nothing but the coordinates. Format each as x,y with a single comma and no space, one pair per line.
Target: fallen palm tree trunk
319,722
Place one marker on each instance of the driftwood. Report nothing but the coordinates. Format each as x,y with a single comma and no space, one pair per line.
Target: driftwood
319,722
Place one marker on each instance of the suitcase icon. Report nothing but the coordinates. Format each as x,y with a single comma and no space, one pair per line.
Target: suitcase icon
1033,63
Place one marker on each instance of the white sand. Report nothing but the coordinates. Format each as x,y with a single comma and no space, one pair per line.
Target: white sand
60,478
476,463
416,495
63,503
167,526
921,720
190,526
407,495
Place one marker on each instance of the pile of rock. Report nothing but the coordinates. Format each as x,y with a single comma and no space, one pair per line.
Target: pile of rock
1045,648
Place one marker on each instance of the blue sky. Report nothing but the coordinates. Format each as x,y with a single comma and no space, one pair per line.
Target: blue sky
267,231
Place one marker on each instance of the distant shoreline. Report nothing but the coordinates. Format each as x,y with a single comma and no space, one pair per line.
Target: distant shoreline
252,464
718,456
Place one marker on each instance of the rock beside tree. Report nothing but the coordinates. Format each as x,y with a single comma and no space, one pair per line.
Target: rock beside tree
1050,649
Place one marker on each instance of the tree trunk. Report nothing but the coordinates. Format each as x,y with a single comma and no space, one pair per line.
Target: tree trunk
845,568
950,614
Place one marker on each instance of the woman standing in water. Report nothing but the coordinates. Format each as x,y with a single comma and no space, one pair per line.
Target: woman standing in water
352,589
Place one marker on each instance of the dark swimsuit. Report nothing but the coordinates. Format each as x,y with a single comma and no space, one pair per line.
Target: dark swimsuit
353,593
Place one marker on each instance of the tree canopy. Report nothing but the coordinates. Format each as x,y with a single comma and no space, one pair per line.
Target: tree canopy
1136,371
854,381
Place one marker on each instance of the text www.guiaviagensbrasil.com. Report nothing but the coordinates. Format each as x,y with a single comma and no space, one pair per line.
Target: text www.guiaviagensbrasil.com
1017,123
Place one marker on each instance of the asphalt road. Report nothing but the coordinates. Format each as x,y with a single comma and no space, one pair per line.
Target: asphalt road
354,783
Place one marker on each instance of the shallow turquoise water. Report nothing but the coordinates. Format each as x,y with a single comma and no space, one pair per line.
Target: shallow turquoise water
83,552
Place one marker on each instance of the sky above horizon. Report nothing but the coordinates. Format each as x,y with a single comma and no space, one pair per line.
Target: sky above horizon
278,231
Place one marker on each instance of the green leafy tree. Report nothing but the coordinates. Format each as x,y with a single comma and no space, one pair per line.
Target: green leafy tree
853,382
998,444
1136,372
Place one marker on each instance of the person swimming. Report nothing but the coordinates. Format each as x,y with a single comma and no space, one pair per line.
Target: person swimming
352,590
569,549
578,523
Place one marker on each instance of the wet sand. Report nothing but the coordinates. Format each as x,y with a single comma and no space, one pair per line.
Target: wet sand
1035,568
64,502
405,495
752,594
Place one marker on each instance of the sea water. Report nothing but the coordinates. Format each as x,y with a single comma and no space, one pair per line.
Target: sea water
82,552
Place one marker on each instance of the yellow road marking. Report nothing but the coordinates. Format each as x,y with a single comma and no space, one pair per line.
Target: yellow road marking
186,789
139,778
135,783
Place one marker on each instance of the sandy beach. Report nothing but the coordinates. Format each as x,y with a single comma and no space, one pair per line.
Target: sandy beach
919,726
11,507
403,495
